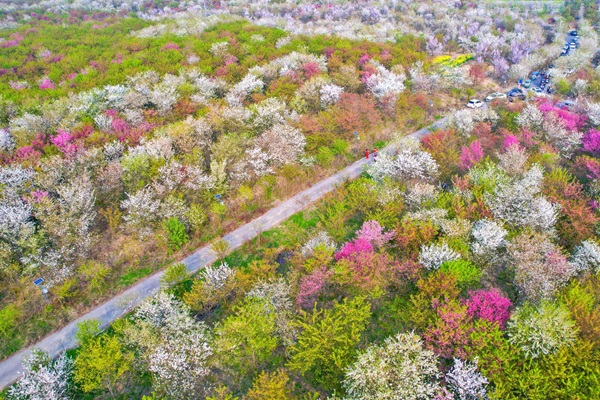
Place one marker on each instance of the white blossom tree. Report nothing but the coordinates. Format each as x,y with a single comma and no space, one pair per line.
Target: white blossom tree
399,369
466,382
434,255
43,378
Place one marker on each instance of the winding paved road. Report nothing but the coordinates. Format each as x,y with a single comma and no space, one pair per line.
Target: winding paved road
119,305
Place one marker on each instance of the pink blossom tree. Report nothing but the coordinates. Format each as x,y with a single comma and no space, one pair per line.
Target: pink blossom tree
491,305
373,232
471,155
359,245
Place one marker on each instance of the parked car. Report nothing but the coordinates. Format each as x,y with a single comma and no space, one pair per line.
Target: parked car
495,96
514,91
534,75
550,90
538,92
474,103
527,83
567,105
573,33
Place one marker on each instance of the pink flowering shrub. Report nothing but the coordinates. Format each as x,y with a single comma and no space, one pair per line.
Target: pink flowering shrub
591,142
510,141
39,195
310,69
372,231
230,59
170,46
47,84
27,152
356,246
63,141
471,155
311,286
490,305
587,167
367,270
570,120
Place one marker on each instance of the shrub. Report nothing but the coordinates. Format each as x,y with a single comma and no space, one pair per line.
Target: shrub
490,305
176,232
174,275
541,330
87,330
434,255
399,369
8,319
327,343
270,386
466,382
325,156
467,274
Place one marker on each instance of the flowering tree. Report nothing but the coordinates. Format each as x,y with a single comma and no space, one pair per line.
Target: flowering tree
586,256
407,165
464,380
519,203
541,330
373,232
384,82
490,305
433,256
488,238
399,369
178,352
471,155
540,267
43,378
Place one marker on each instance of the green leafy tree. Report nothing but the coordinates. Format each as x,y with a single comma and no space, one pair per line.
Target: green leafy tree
174,275
8,319
177,235
467,274
87,330
102,363
247,338
271,386
328,340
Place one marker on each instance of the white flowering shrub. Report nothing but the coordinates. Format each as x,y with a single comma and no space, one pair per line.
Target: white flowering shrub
269,112
466,382
178,360
238,93
320,239
385,82
330,94
434,255
531,118
7,142
513,160
542,330
407,165
400,368
43,378
419,193
520,203
216,278
586,256
283,144
295,60
142,208
488,236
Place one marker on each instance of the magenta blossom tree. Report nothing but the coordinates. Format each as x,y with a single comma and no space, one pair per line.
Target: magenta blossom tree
356,246
471,155
491,305
591,142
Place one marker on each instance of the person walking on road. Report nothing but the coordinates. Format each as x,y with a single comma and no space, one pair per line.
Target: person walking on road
367,154
374,154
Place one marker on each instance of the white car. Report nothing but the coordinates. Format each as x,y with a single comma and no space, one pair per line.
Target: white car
474,103
495,96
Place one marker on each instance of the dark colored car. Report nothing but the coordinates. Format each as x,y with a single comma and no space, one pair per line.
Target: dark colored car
573,33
